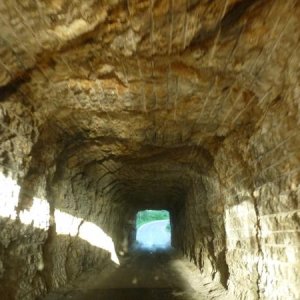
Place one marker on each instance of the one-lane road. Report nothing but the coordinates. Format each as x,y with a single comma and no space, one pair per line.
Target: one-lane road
154,235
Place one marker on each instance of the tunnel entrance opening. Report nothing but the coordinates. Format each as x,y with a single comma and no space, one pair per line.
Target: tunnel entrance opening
153,229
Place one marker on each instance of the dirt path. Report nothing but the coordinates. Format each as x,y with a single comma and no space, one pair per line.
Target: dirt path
142,276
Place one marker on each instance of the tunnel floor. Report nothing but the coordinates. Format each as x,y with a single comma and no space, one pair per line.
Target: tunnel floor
160,274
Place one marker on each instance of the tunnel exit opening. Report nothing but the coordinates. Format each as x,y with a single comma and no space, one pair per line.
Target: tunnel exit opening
153,229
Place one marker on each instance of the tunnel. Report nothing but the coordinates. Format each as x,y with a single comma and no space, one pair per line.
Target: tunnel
111,107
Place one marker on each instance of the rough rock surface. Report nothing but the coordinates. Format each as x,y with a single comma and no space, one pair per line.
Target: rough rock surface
110,107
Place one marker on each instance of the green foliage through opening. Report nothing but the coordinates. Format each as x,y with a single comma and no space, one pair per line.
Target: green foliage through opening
146,216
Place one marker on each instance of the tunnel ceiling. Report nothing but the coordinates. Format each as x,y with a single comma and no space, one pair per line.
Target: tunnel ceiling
146,90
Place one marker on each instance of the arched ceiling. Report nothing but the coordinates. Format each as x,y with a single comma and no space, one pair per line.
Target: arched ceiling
145,85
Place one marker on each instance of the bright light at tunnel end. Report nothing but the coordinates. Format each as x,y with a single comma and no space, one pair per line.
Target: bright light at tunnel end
153,230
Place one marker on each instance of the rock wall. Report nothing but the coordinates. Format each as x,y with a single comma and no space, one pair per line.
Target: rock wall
242,223
57,221
261,196
199,227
